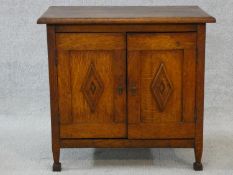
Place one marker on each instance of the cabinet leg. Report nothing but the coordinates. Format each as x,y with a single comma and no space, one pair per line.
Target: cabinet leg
197,165
57,166
56,157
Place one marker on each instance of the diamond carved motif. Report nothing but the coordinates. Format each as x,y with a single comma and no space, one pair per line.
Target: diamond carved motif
92,87
161,87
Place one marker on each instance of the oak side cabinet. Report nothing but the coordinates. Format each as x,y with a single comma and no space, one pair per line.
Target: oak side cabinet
126,77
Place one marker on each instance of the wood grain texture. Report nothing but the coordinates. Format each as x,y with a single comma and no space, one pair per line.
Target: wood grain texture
189,84
161,130
126,143
92,69
200,77
90,41
94,130
177,52
55,121
161,87
122,15
127,28
64,90
150,104
92,87
126,77
164,41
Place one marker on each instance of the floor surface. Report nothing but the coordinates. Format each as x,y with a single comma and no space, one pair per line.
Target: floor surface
25,147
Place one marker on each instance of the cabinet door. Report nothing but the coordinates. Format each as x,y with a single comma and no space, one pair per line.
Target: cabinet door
161,85
91,85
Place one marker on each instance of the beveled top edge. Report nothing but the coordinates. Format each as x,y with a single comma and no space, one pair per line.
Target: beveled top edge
124,15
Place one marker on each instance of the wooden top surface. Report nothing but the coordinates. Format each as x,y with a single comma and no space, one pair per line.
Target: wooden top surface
124,15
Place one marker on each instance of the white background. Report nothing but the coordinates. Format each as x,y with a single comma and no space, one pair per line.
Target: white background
25,146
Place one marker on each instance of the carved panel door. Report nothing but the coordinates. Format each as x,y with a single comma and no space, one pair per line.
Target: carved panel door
91,83
161,85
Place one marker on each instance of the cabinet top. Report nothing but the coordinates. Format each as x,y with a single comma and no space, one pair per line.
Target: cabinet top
124,15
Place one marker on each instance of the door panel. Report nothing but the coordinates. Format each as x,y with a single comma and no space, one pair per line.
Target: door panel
91,83
161,85
155,74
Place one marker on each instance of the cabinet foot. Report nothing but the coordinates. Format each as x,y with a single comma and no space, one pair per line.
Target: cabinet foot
57,166
197,166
